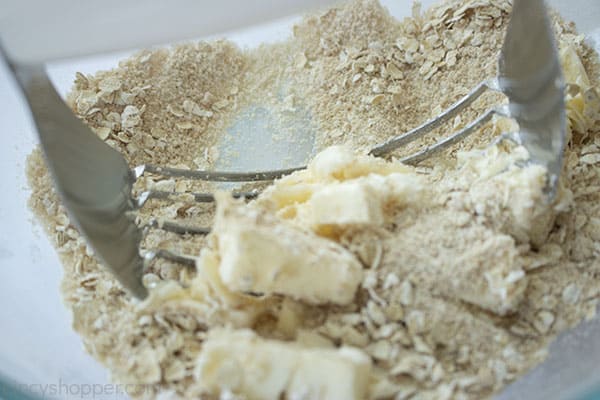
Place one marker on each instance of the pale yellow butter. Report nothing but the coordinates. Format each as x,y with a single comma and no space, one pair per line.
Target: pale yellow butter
240,362
341,189
348,203
260,254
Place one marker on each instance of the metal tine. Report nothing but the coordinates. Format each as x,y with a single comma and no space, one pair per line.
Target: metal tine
198,197
213,176
175,227
216,176
414,134
150,256
178,228
417,157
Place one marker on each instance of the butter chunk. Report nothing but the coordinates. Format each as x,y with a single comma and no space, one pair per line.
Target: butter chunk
339,163
348,203
240,362
261,254
572,67
582,101
361,201
340,189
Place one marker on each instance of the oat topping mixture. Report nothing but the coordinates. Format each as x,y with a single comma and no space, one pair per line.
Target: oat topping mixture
357,278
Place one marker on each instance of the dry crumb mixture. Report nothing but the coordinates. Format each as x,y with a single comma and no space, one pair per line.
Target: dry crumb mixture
466,275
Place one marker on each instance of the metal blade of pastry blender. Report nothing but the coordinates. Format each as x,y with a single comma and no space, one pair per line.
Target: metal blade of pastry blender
93,179
530,75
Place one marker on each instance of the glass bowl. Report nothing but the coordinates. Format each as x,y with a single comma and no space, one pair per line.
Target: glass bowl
40,355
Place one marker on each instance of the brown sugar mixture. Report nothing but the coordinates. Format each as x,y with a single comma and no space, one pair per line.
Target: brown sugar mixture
357,278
